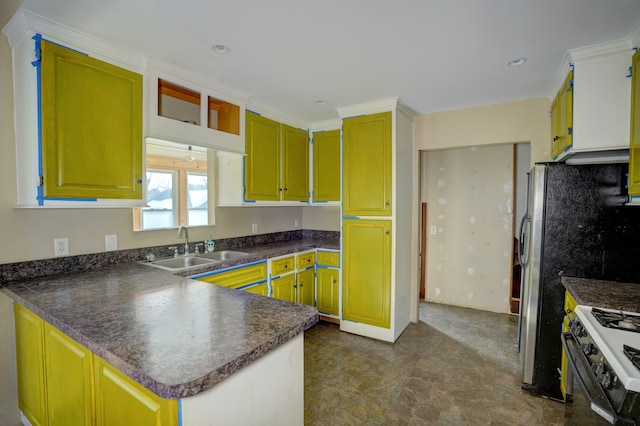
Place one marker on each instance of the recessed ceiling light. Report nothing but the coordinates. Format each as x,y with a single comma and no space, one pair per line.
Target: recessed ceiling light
220,48
321,102
517,61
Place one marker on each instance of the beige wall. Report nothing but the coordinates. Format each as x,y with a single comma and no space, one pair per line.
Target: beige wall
523,121
492,125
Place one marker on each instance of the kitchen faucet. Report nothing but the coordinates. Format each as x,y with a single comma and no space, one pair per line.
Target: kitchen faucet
186,238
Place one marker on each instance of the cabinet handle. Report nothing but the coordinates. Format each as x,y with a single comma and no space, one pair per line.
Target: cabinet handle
388,203
387,233
334,281
555,138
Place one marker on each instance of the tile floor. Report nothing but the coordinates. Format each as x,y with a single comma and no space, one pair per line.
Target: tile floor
456,366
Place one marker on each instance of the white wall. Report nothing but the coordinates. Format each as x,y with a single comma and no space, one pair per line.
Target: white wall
469,195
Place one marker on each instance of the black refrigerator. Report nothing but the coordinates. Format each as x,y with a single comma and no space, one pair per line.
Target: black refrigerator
576,224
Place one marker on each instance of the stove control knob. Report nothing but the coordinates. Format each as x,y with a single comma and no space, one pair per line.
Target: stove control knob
589,349
605,380
598,369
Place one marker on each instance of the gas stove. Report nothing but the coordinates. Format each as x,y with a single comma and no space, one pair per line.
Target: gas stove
610,343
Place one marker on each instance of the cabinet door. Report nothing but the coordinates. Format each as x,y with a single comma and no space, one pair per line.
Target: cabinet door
555,127
328,291
260,289
283,287
367,165
295,164
569,306
91,127
262,163
30,365
305,287
634,147
69,373
122,401
367,272
326,166
565,126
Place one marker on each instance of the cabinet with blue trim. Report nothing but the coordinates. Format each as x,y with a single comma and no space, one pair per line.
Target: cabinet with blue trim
593,103
251,278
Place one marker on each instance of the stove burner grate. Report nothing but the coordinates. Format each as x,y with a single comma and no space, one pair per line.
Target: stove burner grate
633,354
617,320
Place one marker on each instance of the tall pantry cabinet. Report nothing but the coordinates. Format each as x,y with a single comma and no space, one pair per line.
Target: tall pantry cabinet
376,219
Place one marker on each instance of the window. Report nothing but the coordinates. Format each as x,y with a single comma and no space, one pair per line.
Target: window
177,191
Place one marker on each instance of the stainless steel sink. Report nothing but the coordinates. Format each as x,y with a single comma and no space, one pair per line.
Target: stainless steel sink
223,255
185,262
178,263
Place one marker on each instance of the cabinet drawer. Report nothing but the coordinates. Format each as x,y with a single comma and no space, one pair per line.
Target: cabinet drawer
238,277
260,289
305,260
328,258
282,266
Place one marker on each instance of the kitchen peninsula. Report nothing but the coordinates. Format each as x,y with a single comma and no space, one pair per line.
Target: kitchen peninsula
181,338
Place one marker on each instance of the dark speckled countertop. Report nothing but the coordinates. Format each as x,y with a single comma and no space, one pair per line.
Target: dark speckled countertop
174,335
604,294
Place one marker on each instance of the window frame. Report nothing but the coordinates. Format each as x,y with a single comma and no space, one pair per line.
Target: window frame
181,166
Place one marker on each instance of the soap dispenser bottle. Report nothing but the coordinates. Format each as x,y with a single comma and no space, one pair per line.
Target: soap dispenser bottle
210,244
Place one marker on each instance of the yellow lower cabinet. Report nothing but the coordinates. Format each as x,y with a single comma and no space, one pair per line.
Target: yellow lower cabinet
366,263
121,401
237,277
283,287
328,291
569,306
30,365
69,379
260,289
305,288
305,260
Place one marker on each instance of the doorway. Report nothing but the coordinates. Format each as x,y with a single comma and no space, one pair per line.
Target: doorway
471,198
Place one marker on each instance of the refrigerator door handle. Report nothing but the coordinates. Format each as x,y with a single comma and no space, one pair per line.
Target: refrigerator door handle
522,241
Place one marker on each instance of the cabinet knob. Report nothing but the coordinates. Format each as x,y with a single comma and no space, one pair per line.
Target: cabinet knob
387,232
388,203
555,138
334,281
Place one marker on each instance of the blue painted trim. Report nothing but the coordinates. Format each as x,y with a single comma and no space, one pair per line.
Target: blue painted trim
350,217
327,266
38,65
71,199
251,285
253,112
180,412
231,268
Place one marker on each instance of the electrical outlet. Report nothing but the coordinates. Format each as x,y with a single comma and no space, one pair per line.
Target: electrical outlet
61,247
254,228
111,242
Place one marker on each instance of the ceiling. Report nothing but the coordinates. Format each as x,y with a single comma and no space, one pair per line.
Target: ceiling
435,55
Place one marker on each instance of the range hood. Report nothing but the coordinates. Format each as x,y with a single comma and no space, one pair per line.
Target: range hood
599,157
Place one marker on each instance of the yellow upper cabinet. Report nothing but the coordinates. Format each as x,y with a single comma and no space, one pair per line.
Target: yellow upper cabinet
91,127
262,163
634,147
295,164
277,161
562,118
326,166
367,165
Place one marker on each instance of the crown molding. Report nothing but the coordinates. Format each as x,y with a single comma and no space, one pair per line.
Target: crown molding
382,105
